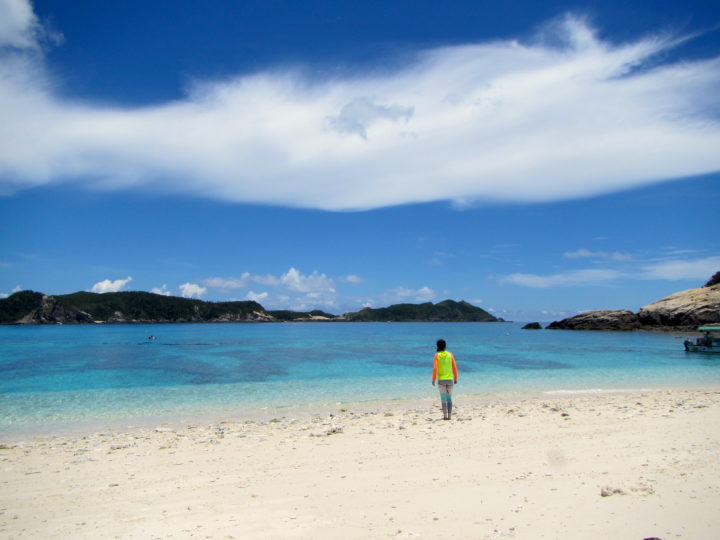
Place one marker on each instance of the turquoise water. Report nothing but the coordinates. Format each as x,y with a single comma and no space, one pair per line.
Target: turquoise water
85,373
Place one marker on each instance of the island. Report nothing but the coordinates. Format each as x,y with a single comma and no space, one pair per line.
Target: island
30,307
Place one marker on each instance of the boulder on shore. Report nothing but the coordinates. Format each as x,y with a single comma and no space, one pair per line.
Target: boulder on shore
690,309
615,319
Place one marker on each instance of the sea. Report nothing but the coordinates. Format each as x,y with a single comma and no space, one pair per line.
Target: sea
75,374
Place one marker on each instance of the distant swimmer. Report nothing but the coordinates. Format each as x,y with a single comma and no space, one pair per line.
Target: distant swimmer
152,337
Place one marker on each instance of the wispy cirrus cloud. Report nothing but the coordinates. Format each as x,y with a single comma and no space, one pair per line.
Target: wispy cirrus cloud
584,253
673,270
572,278
567,115
669,270
351,278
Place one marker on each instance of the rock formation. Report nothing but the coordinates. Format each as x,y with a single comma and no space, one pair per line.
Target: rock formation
684,310
690,308
617,319
532,326
50,311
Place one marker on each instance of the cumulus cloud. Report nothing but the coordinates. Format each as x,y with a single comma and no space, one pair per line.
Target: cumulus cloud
561,117
313,283
423,294
161,290
293,288
256,297
107,286
17,288
192,290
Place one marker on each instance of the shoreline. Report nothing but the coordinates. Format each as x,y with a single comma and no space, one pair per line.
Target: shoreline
621,464
241,413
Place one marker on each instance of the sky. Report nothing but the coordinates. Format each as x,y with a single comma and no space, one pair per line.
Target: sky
537,159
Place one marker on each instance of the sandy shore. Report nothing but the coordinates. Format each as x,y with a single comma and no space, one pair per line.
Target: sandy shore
629,465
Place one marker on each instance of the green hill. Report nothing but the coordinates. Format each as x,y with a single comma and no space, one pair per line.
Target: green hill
446,311
29,307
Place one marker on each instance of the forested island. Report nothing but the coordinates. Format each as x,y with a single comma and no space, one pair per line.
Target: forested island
30,307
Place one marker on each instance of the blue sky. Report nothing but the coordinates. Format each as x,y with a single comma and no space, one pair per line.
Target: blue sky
535,159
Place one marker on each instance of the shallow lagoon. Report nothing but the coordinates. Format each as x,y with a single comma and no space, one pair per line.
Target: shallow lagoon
86,373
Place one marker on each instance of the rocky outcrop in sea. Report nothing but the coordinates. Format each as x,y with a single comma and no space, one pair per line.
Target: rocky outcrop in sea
684,310
616,319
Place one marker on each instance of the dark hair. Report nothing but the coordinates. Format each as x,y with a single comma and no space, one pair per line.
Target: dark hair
441,345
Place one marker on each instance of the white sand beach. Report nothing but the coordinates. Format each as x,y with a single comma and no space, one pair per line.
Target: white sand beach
623,465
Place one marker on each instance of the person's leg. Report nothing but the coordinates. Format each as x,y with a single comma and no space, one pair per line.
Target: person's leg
443,398
449,389
446,398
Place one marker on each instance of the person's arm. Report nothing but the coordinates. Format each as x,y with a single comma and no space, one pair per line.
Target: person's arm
435,368
454,366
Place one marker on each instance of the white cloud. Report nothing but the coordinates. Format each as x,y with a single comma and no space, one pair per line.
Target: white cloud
356,116
16,289
192,290
162,290
107,286
583,253
491,121
572,278
18,25
701,269
255,297
580,253
313,283
672,270
228,283
423,294
352,278
307,291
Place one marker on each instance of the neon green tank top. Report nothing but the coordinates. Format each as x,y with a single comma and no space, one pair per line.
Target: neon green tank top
445,371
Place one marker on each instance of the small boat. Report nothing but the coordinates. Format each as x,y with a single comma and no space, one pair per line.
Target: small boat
708,343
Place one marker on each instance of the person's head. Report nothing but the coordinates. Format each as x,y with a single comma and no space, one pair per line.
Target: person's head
441,345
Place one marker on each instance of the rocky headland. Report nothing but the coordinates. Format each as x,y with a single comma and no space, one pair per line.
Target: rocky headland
682,311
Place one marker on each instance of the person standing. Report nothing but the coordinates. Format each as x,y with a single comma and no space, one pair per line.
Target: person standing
446,373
